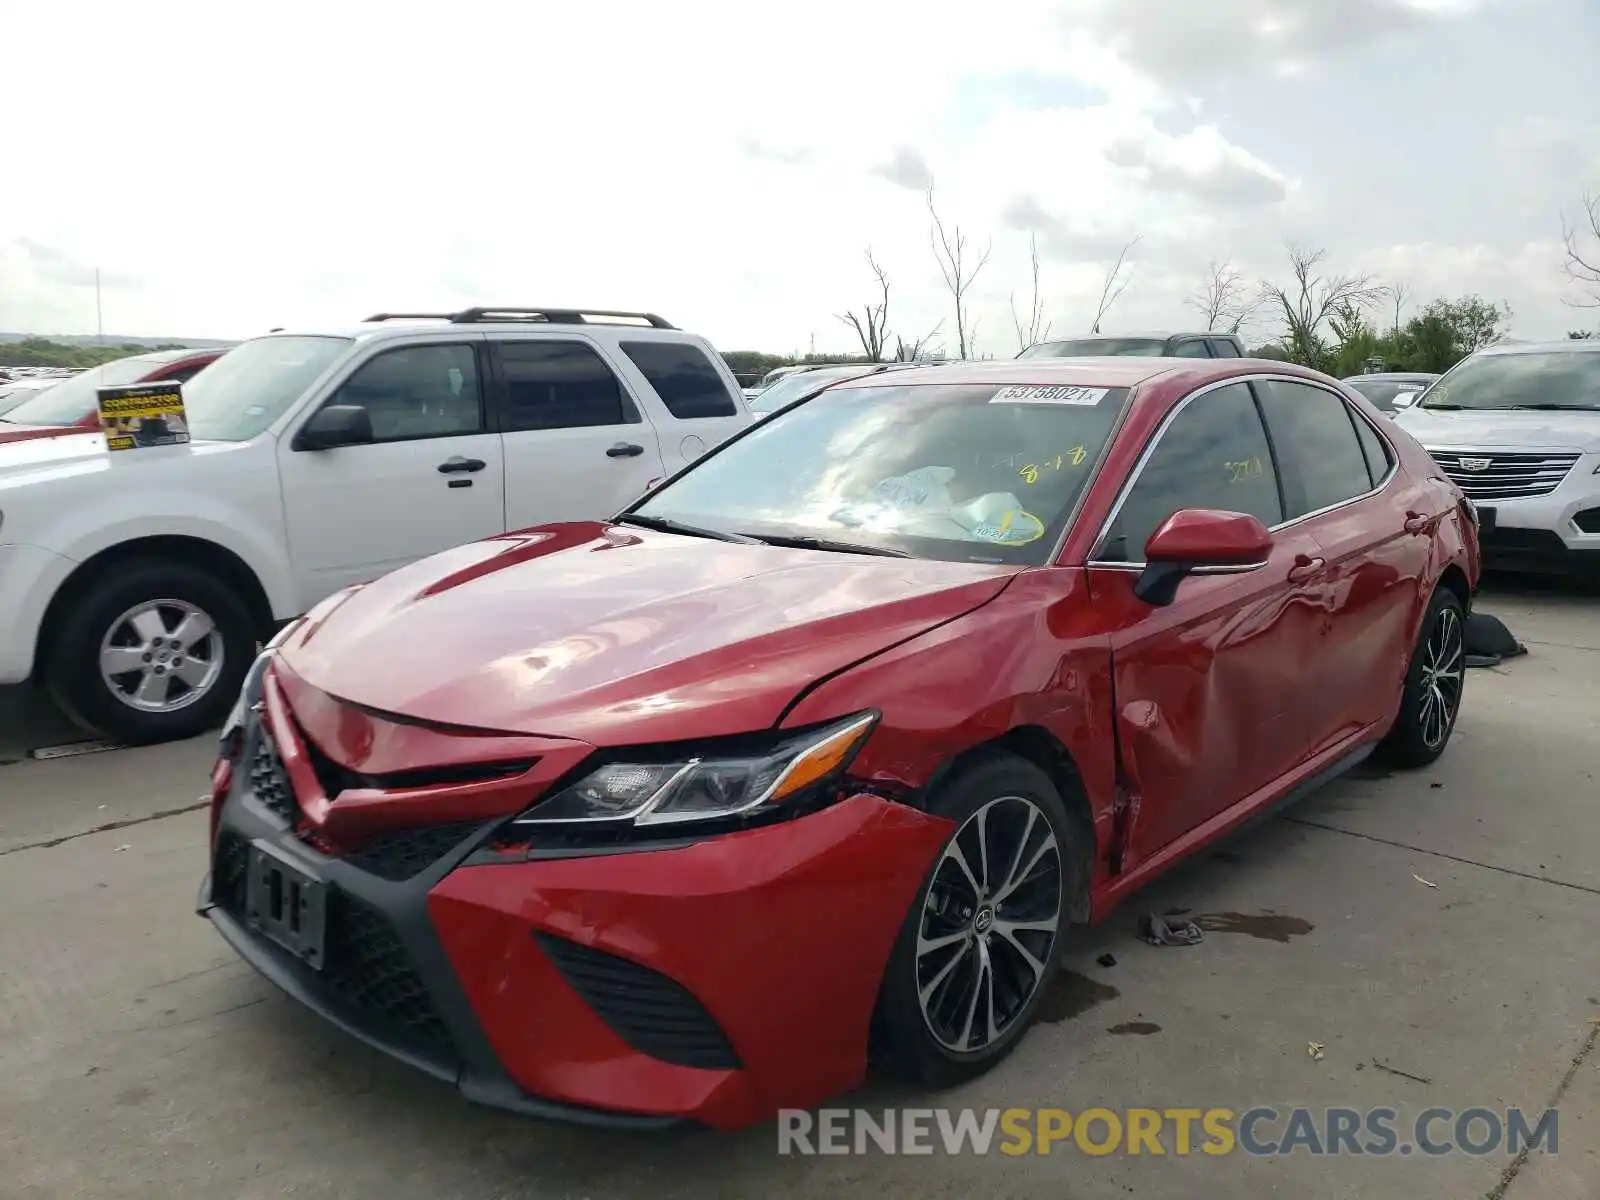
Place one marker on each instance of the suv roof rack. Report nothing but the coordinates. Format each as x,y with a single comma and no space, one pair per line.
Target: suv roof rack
553,316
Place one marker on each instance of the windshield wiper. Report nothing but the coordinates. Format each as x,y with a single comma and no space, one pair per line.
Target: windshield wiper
667,525
815,543
1445,407
1556,407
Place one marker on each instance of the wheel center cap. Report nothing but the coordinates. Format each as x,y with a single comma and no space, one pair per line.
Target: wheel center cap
984,920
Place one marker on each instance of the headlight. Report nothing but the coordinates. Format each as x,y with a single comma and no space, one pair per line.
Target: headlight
652,790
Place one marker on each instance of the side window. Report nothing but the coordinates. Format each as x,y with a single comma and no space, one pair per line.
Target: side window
560,385
1379,457
684,379
418,392
1223,348
1214,454
1316,441
1193,348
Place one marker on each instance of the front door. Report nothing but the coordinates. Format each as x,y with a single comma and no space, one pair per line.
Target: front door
431,479
1206,688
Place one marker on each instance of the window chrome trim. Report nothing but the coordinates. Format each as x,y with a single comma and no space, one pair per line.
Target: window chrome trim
1166,423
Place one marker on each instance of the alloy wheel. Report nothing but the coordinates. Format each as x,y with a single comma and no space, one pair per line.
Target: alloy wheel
161,656
1443,668
989,924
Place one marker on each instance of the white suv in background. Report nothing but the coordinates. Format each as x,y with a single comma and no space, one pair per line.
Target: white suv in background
137,584
1517,428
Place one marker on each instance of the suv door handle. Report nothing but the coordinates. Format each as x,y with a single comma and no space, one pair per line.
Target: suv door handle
624,450
1417,522
459,465
1306,568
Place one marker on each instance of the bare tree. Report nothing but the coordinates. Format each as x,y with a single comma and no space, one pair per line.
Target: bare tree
1037,329
1398,292
871,324
1583,251
956,265
1115,284
905,351
1306,304
1223,300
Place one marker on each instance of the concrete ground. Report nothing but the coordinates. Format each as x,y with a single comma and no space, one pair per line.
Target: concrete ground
140,1058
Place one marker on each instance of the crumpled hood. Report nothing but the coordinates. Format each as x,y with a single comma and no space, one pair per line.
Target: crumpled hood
618,636
1501,429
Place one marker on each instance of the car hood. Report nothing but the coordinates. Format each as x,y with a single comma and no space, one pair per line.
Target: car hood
617,636
1502,429
61,447
27,433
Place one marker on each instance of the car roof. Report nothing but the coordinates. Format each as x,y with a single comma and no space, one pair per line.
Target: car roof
1153,334
1083,371
1569,345
1389,375
161,356
383,326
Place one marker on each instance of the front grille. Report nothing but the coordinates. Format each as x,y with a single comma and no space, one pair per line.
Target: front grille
407,852
1490,475
652,1013
370,970
230,873
269,781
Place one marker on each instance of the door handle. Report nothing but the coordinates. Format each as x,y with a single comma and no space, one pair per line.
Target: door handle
459,465
1306,568
1417,522
625,450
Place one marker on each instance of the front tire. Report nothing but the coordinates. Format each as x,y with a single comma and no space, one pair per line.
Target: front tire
151,652
1431,701
979,947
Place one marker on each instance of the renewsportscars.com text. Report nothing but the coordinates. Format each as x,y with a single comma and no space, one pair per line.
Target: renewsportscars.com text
1260,1131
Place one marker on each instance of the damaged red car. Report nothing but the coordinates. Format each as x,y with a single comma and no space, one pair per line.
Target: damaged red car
813,756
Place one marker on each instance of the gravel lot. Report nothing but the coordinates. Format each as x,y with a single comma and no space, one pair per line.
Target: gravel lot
140,1058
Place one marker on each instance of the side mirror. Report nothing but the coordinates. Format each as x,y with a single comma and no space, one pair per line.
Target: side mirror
334,426
1200,541
1405,399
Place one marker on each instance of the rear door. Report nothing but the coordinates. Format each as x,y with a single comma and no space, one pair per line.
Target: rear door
1208,688
577,445
431,479
1341,486
697,404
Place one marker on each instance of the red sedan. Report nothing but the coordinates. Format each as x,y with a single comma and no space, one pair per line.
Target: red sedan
73,405
824,744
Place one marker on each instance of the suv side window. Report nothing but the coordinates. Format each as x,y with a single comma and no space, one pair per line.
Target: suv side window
1214,454
1193,348
1313,432
684,378
560,385
1223,348
417,392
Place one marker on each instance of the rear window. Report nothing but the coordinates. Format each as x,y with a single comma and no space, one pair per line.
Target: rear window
684,378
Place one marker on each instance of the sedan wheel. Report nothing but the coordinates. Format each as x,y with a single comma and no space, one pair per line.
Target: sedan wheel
1443,672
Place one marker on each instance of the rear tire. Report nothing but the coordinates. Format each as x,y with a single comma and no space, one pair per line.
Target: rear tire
152,651
979,946
1431,701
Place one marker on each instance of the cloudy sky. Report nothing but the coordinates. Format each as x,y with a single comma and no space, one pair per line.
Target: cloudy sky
234,168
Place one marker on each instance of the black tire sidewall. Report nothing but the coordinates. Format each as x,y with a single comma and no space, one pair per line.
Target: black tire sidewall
72,668
1405,745
903,1044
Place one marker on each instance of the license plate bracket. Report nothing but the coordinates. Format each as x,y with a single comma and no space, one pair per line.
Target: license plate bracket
286,903
1485,520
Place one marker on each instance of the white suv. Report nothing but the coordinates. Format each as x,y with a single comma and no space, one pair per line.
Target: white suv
1517,428
136,585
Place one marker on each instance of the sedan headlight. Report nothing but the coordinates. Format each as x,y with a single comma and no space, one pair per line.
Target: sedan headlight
646,790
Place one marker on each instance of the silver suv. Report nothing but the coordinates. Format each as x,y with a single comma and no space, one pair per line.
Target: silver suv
1518,429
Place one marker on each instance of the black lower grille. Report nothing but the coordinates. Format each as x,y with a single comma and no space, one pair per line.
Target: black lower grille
370,970
268,781
1588,520
230,874
652,1013
407,852
1503,537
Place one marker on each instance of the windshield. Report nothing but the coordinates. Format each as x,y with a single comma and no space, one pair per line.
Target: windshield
15,394
71,400
1098,347
792,387
252,385
964,473
1554,379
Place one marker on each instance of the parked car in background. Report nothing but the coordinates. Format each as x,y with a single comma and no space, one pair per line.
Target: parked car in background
1383,387
73,406
1517,427
804,383
14,391
137,585
1145,345
830,739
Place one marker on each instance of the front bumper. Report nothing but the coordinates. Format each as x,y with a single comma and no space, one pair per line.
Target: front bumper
1553,534
713,982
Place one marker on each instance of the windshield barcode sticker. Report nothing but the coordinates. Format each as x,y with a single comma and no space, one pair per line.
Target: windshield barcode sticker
1058,394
